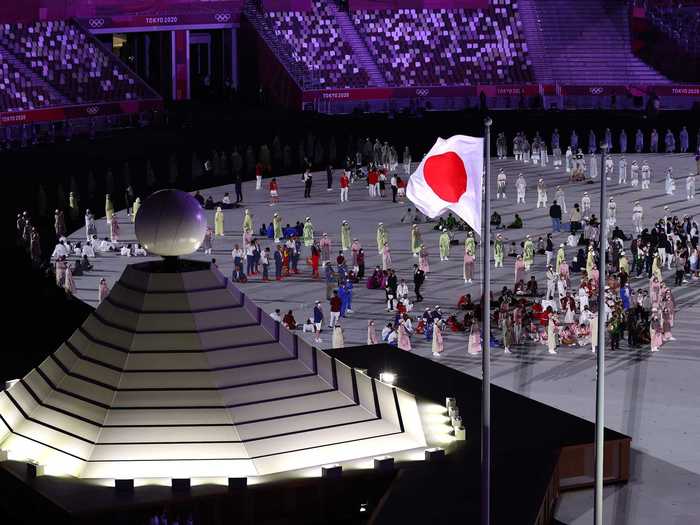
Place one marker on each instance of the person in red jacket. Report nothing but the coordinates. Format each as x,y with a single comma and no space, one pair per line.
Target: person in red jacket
372,180
274,195
335,308
344,186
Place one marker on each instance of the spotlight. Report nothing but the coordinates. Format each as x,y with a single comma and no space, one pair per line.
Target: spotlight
180,484
387,377
384,463
434,454
450,402
460,433
456,421
10,383
334,471
237,483
453,411
124,485
34,469
363,507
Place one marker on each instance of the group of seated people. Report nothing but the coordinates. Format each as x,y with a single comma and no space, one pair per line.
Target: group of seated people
452,223
209,204
83,252
412,325
497,221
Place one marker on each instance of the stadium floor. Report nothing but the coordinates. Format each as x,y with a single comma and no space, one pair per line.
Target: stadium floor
650,397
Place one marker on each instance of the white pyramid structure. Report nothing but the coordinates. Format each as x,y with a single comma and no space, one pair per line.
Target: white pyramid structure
179,374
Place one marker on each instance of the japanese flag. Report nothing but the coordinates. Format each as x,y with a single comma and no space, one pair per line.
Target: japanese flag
449,178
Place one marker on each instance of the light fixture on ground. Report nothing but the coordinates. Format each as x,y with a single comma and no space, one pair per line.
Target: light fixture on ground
387,377
10,383
334,471
434,454
124,485
34,469
460,433
450,402
384,463
237,483
180,484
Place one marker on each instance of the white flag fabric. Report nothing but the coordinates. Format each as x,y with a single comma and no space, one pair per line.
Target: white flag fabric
449,178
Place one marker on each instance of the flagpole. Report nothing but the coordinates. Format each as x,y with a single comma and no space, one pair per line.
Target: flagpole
486,337
600,356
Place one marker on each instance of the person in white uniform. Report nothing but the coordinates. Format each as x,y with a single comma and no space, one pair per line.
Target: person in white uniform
520,186
690,186
646,176
612,213
585,203
634,174
541,193
560,197
622,171
637,216
501,184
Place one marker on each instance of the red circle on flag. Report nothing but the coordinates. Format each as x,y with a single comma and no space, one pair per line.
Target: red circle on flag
446,176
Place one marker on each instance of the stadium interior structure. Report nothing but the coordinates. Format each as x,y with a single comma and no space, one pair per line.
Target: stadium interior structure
97,96
100,60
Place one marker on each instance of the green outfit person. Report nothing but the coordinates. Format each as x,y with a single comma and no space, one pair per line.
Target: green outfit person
345,236
528,253
416,240
308,232
444,245
382,237
277,227
498,251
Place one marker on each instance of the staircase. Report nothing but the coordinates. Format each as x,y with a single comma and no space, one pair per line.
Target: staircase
537,51
281,51
586,41
57,98
359,48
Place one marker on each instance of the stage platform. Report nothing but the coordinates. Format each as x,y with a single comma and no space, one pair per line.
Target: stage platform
538,451
651,398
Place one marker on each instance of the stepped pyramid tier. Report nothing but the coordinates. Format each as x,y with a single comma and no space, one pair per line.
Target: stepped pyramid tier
178,374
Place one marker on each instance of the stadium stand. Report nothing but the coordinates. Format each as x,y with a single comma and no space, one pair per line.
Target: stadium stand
18,90
315,40
682,25
447,46
68,58
589,41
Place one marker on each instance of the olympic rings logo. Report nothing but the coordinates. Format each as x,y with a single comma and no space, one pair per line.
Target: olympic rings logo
422,92
96,22
222,17
596,91
92,110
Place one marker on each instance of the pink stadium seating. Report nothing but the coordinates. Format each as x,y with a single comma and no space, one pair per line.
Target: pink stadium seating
17,91
314,40
447,46
71,61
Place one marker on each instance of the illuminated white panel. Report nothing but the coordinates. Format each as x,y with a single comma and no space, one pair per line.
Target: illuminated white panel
172,377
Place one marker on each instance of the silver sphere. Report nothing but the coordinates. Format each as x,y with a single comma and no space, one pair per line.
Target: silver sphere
170,223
